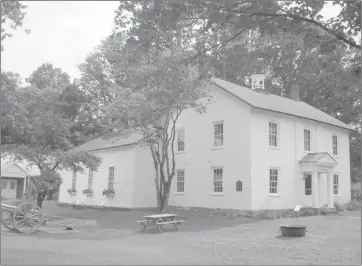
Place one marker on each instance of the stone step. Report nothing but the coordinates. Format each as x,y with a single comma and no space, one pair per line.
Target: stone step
329,211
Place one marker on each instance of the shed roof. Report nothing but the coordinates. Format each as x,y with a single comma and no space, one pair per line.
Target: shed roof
278,104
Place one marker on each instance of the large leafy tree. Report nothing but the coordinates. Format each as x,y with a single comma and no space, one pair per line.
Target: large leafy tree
12,16
41,123
48,76
75,102
45,142
152,21
150,105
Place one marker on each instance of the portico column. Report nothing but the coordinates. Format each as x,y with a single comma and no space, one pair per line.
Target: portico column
315,189
330,190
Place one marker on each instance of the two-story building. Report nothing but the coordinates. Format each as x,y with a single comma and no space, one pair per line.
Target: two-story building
251,150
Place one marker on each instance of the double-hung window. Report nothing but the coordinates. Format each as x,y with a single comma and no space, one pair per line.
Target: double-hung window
335,145
218,180
90,179
219,134
111,177
273,180
306,140
335,184
4,184
74,179
273,134
180,140
180,181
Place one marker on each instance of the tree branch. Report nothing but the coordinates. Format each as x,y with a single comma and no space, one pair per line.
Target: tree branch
227,41
312,21
55,166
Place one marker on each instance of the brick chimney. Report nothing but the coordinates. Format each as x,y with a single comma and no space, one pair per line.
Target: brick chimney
258,83
294,92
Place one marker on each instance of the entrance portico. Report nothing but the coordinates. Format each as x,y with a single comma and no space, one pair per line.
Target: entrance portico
320,166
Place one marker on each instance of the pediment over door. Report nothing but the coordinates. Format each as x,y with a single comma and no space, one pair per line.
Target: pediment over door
318,158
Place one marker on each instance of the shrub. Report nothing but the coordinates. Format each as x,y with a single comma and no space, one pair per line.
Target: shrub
88,192
108,192
353,205
72,190
339,207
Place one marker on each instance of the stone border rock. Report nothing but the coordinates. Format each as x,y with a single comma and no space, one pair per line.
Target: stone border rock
248,214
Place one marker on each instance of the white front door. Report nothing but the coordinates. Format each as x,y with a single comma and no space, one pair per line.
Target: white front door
8,188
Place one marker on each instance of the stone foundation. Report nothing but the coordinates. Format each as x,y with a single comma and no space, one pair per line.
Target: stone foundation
248,214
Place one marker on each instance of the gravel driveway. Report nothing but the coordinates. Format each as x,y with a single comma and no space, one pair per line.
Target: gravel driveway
330,240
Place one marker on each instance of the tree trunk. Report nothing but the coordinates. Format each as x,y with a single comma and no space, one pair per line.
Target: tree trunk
157,183
165,197
40,198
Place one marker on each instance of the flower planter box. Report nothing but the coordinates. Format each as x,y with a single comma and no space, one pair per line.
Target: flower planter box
88,192
108,193
290,230
72,191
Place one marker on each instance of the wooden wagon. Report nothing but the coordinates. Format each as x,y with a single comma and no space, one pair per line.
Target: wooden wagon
23,217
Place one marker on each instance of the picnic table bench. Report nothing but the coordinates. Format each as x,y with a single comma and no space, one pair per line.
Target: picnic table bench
158,220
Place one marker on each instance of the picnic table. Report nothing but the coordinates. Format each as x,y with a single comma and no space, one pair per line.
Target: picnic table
158,220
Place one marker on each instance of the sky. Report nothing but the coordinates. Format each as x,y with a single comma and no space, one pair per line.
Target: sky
63,33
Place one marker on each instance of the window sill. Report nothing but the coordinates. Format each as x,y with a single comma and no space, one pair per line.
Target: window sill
180,152
274,148
217,148
273,195
216,194
179,193
336,195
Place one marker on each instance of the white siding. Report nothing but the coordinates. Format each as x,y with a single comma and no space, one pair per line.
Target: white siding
144,183
263,158
123,160
291,138
200,156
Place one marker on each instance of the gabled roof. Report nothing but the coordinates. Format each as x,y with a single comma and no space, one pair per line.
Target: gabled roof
100,143
319,157
278,104
27,170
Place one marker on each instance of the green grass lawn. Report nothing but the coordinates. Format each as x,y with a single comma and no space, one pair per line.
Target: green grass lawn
201,240
127,219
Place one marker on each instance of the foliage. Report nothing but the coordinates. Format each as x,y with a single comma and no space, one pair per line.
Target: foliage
353,205
48,76
88,191
288,41
150,105
339,207
72,191
12,110
44,140
12,16
108,192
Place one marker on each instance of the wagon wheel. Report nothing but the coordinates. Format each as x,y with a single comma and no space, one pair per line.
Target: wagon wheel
27,218
7,219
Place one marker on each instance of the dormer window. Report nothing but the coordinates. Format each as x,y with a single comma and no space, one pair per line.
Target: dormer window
257,81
